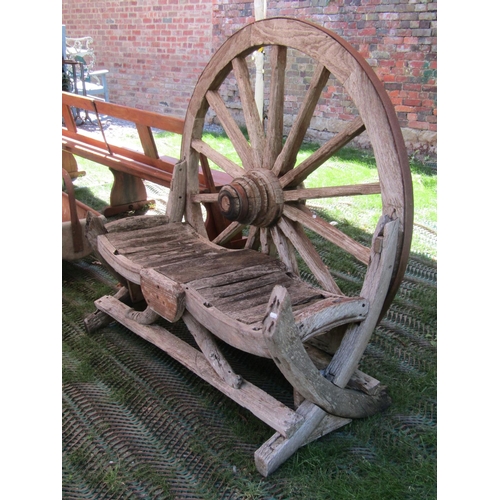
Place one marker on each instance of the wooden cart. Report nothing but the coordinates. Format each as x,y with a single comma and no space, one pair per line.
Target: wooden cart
253,297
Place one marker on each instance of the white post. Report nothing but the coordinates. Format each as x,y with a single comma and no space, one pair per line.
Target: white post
64,41
260,13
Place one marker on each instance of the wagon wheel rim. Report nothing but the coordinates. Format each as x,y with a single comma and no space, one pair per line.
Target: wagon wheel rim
268,172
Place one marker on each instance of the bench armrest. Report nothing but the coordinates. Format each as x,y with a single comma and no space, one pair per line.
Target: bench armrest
99,72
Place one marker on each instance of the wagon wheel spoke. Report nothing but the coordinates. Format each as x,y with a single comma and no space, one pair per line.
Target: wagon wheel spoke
250,111
232,230
234,133
219,159
266,242
322,228
288,155
332,191
253,238
285,249
297,236
297,175
274,132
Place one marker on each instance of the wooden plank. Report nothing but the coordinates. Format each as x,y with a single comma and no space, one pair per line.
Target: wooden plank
250,111
181,258
329,232
136,223
375,287
150,235
274,133
245,299
233,291
262,405
256,314
299,174
278,449
140,116
78,101
248,273
134,115
222,262
124,164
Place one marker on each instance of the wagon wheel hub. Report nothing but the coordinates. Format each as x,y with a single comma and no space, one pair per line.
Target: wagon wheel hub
256,198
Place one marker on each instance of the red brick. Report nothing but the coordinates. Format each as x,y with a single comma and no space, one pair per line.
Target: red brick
163,45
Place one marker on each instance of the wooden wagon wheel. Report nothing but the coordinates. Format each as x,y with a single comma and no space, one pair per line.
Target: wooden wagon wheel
269,193
268,200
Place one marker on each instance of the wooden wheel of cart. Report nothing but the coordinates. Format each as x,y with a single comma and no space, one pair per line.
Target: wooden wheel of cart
244,297
269,193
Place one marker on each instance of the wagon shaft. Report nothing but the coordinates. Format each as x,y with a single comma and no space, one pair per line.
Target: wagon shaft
249,293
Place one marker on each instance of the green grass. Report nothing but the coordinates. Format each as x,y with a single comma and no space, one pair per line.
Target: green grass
387,456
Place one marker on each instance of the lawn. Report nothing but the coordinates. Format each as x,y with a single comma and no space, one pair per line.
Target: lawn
138,425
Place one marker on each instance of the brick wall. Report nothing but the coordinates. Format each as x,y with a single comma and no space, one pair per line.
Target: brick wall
156,49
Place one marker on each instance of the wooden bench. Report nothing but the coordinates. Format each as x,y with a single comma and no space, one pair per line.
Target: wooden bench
254,298
130,167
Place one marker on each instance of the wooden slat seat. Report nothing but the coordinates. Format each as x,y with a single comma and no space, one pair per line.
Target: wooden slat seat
218,284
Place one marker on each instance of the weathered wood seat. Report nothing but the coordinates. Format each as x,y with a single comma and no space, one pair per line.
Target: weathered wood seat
220,285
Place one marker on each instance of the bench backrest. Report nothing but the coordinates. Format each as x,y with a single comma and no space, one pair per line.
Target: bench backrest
147,164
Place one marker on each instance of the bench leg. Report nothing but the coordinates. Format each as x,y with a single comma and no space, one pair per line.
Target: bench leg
128,193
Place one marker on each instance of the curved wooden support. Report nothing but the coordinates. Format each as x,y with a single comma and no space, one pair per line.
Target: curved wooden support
284,344
375,287
146,317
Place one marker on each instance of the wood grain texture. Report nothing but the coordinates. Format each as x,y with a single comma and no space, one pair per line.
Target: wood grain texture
327,231
274,131
262,405
164,296
232,129
357,336
291,358
287,157
250,111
